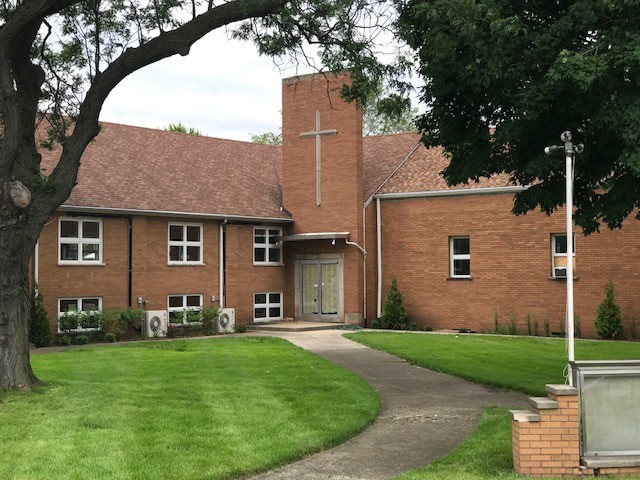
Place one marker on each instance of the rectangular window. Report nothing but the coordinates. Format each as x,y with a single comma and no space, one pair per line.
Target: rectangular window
185,243
79,241
267,306
79,314
266,249
185,309
460,253
559,255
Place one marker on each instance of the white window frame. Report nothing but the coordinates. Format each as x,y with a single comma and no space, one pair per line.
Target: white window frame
458,256
555,255
267,247
80,241
267,305
184,307
79,301
184,243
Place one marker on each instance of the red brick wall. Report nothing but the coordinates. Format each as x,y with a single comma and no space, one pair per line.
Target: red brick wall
243,278
153,278
510,264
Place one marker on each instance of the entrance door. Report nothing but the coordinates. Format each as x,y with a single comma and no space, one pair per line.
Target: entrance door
320,288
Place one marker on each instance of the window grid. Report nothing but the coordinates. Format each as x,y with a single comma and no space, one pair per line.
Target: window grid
266,249
460,257
184,309
559,255
184,243
79,241
79,304
267,306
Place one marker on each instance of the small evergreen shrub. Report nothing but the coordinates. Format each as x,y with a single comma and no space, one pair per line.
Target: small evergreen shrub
64,341
633,332
464,330
608,317
39,326
547,327
81,340
513,325
536,327
428,328
413,326
529,325
577,328
376,324
561,325
110,337
393,313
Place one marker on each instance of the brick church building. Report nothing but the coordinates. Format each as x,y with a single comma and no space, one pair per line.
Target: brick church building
313,230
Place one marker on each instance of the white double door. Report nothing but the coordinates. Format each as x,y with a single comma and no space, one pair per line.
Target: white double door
320,289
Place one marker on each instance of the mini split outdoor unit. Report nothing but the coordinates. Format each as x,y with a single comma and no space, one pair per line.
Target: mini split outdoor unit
155,324
226,320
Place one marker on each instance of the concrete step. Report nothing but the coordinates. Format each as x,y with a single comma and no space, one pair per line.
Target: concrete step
292,326
543,403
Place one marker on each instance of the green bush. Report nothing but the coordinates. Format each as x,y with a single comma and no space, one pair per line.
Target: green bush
393,313
209,317
513,326
110,337
633,332
608,317
64,341
121,322
68,321
428,328
81,340
39,326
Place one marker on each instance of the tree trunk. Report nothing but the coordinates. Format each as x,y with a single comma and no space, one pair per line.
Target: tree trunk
15,252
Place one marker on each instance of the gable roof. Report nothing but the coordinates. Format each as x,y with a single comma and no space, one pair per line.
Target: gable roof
141,169
136,169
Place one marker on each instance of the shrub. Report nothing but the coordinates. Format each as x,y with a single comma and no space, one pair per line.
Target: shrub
376,323
413,326
68,321
529,325
393,313
633,332
547,328
81,340
536,327
39,326
464,330
110,337
64,341
513,326
608,317
122,323
428,328
241,329
209,317
577,328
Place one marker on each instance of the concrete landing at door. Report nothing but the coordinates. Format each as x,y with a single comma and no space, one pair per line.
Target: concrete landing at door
292,326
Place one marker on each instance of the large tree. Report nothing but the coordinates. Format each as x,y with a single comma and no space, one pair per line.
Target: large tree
505,78
60,59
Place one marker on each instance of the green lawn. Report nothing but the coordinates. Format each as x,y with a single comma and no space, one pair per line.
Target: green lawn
178,410
524,364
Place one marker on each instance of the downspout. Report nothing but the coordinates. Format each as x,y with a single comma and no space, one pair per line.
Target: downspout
364,267
129,220
221,263
379,252
364,259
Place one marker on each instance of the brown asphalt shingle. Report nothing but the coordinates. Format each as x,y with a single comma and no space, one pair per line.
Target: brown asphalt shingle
135,168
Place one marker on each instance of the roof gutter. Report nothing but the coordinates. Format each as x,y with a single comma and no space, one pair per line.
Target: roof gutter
452,193
163,213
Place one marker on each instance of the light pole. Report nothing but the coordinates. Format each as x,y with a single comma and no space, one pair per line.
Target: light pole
570,151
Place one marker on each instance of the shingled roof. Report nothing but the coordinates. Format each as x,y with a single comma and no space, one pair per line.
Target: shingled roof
155,171
134,168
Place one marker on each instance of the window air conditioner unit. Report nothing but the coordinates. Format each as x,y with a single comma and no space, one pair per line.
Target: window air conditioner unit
226,320
155,324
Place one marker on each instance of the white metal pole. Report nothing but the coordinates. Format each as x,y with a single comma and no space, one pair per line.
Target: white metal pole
569,155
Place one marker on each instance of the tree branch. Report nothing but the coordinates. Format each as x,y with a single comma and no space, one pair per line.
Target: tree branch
165,45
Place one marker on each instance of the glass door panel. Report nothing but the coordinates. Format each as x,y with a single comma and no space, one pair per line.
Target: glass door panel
329,288
309,288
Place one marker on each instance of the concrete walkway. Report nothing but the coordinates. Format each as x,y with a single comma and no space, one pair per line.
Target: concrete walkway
424,415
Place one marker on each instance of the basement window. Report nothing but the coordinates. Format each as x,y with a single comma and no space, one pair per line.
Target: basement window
79,314
267,306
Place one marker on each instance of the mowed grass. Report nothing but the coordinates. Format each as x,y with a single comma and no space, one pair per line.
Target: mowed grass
524,364
178,410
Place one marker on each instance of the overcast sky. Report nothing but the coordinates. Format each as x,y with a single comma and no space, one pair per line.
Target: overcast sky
223,88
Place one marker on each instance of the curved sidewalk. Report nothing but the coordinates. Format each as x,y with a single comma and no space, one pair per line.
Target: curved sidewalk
424,414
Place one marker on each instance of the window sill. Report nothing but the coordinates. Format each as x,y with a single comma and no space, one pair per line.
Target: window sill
186,264
62,263
267,264
457,279
563,279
